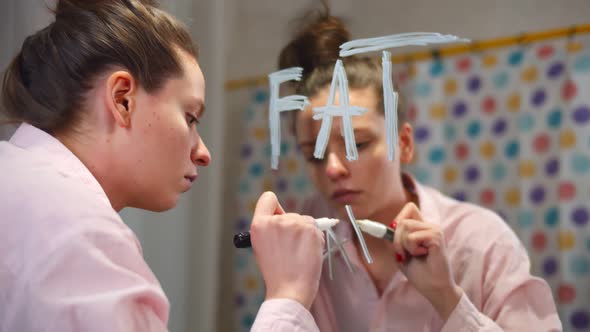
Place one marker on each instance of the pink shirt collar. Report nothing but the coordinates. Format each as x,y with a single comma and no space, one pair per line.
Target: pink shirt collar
56,154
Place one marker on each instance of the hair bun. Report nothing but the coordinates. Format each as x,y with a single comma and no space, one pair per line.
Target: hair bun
46,83
317,44
63,7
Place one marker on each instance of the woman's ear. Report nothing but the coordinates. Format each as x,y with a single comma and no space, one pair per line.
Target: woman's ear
120,97
406,143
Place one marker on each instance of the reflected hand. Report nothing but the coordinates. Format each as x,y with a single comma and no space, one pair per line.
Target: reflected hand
420,250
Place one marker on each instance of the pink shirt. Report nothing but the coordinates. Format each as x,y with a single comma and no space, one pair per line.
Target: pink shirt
283,315
488,262
67,260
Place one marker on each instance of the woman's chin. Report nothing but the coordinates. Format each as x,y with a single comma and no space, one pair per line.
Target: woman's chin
358,210
161,204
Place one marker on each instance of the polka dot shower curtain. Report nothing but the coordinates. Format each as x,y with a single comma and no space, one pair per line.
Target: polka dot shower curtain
255,176
507,128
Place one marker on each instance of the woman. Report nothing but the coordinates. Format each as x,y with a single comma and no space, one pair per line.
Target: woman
452,266
109,96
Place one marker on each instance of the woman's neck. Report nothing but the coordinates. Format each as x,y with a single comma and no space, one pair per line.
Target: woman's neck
384,266
97,159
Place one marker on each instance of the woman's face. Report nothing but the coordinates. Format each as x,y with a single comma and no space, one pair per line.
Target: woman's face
167,147
371,184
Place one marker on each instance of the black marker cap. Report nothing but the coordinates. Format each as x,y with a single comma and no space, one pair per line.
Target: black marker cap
242,240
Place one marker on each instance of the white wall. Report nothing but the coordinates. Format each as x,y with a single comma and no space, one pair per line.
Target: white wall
267,24
18,19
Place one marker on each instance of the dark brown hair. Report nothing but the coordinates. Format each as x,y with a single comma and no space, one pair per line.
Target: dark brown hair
316,48
46,82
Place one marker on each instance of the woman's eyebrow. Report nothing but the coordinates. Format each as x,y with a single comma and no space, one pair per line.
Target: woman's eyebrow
358,131
361,131
306,143
196,104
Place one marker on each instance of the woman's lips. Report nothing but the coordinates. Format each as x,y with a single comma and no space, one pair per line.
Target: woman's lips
345,196
188,181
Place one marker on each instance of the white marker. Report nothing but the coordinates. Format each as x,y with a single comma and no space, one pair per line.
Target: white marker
242,239
376,229
326,223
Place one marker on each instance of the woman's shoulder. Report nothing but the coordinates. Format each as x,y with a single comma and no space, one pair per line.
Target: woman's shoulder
33,181
39,203
41,190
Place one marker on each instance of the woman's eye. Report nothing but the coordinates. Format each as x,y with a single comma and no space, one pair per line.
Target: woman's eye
313,160
191,119
361,145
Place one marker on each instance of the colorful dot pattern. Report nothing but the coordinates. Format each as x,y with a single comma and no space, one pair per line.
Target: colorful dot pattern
511,132
254,176
507,129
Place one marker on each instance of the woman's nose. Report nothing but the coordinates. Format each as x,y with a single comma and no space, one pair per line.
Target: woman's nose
200,154
335,166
